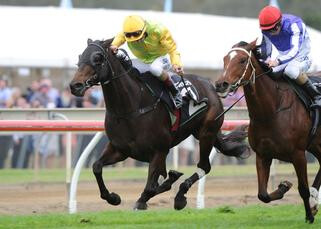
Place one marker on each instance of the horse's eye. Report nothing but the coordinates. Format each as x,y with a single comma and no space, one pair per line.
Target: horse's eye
243,60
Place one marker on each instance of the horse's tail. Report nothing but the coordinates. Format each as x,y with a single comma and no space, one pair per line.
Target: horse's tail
233,143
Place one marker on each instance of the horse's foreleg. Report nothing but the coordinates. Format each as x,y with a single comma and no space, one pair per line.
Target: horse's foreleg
110,156
204,167
263,173
300,165
157,167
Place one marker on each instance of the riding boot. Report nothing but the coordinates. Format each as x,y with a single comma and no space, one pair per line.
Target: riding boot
310,89
177,97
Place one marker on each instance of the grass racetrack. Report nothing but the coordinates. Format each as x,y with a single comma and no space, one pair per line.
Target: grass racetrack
284,216
38,200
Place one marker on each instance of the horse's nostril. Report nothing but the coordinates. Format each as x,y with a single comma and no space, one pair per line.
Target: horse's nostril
225,85
76,86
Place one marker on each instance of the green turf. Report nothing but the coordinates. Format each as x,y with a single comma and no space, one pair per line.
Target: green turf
255,216
12,176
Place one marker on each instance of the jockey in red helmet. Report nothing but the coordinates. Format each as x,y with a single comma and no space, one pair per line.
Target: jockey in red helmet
151,43
289,36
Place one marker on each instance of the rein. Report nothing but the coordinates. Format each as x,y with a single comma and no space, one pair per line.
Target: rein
113,73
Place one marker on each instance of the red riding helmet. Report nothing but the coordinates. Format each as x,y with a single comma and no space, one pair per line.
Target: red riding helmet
269,17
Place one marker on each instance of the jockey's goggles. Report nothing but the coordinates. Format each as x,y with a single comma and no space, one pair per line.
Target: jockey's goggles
133,34
274,29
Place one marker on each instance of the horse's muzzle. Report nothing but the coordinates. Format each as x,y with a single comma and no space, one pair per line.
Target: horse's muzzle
222,88
77,88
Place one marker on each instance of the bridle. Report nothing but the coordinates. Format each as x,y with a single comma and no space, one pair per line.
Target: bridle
96,79
239,83
252,78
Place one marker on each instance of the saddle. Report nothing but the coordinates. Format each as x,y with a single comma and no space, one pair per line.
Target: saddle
192,105
307,101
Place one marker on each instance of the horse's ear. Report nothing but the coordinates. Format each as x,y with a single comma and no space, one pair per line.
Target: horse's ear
107,43
253,44
89,41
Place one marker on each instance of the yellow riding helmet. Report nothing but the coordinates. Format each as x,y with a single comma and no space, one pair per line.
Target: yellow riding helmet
134,28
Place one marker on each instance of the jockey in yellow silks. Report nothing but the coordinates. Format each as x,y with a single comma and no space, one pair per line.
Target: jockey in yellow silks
151,43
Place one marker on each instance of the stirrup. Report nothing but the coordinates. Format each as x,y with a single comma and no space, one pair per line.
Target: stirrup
316,102
178,100
315,105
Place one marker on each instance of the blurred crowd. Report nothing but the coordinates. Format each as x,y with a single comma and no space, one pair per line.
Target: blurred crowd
18,149
41,94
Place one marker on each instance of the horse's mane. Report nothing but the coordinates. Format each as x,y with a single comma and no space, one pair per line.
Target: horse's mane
126,62
256,52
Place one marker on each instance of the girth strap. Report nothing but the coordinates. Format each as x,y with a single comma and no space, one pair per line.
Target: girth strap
138,112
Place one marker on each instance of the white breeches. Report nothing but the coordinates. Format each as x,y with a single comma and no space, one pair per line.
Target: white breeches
295,67
156,68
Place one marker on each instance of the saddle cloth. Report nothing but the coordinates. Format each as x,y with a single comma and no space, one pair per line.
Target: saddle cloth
307,101
191,104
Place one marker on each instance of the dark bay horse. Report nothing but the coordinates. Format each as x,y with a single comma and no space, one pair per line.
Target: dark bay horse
279,123
146,136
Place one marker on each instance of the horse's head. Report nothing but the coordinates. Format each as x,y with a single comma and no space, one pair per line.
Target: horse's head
93,67
238,69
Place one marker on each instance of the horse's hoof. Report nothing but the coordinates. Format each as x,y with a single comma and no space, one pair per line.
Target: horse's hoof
285,186
180,202
113,199
314,200
314,211
140,206
309,219
174,174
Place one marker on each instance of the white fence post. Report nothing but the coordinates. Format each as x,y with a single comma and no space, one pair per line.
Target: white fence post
68,151
175,157
79,165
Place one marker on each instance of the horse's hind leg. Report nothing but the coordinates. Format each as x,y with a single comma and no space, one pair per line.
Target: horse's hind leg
156,168
110,156
263,173
300,165
167,184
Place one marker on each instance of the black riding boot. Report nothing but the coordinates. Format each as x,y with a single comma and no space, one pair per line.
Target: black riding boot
312,91
178,99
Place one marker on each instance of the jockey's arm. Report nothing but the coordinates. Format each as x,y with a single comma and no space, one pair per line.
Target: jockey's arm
169,44
266,48
119,40
295,44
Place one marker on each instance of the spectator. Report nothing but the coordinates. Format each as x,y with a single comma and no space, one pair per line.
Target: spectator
41,96
34,87
13,100
5,93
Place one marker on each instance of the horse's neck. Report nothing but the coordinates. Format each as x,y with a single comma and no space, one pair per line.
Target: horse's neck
261,97
122,95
